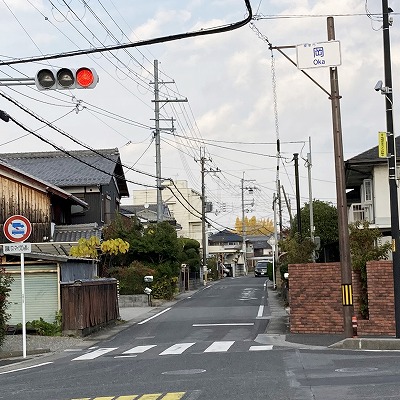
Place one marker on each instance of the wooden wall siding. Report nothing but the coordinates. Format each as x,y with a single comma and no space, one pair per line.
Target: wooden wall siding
88,305
316,304
17,198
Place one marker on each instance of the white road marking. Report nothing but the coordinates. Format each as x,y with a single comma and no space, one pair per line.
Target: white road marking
139,349
260,311
230,324
94,354
178,348
261,348
218,347
23,369
154,316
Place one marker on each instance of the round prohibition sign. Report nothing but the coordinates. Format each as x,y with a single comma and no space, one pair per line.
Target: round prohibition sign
17,228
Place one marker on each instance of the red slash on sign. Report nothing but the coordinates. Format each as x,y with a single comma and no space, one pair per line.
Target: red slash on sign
17,228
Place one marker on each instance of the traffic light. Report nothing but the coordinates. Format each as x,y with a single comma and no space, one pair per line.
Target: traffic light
66,78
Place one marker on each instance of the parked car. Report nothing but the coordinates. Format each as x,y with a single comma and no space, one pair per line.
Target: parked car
261,268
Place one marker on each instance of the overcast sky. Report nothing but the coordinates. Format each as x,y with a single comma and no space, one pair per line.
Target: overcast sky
226,77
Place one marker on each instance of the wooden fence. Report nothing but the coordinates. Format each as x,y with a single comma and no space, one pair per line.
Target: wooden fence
88,305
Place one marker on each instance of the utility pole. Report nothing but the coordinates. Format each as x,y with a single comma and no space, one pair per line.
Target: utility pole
394,208
244,228
296,174
344,245
310,199
157,139
158,144
203,160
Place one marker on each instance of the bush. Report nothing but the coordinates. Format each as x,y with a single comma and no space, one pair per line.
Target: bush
164,288
5,284
131,279
43,328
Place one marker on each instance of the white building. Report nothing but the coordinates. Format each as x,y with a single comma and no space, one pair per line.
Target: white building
183,202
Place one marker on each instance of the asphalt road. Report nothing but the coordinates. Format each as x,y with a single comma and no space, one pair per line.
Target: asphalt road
205,347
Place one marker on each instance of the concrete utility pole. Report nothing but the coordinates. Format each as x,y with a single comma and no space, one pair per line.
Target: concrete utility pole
157,131
309,166
296,174
394,208
344,245
243,227
203,160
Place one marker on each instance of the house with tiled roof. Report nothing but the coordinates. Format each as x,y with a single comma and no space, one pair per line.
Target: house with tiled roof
96,177
367,184
227,247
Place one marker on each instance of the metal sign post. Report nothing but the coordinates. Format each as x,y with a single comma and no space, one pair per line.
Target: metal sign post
17,229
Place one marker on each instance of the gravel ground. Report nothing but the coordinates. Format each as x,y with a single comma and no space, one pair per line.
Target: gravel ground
37,344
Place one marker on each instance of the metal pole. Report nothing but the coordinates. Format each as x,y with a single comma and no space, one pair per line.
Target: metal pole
296,174
309,166
158,145
23,305
344,245
394,208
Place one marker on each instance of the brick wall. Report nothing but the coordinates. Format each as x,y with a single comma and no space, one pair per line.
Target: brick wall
316,304
315,298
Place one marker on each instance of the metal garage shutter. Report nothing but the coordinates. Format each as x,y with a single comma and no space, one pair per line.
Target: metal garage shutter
41,294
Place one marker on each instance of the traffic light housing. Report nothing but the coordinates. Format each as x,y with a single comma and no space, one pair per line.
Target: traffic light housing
66,78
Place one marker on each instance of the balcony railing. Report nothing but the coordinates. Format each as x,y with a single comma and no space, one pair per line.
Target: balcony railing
360,212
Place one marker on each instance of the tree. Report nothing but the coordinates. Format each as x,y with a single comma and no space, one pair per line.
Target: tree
106,251
326,227
5,283
254,226
190,253
365,245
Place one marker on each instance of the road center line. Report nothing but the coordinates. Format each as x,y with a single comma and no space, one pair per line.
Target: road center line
234,324
260,311
154,316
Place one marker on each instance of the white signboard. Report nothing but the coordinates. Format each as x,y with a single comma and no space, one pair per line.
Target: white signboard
17,248
316,55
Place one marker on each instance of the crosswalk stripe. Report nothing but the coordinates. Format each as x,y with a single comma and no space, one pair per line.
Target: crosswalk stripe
261,348
139,349
133,397
217,347
178,348
94,354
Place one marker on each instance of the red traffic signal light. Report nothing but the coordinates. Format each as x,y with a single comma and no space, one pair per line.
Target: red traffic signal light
66,78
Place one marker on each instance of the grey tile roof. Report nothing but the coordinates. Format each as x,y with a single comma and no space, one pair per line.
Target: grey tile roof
80,168
225,236
371,155
49,187
72,233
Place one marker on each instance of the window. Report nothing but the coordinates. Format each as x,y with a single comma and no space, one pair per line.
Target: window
367,191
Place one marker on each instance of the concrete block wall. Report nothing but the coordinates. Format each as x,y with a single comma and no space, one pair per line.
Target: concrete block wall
316,304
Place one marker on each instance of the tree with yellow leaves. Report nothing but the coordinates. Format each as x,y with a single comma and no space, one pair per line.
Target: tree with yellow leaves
254,226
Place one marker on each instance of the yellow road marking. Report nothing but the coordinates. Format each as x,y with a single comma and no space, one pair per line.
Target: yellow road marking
153,396
173,396
132,397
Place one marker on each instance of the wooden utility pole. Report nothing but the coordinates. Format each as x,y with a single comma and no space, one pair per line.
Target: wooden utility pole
344,245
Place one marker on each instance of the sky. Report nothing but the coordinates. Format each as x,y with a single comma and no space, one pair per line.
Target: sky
241,96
